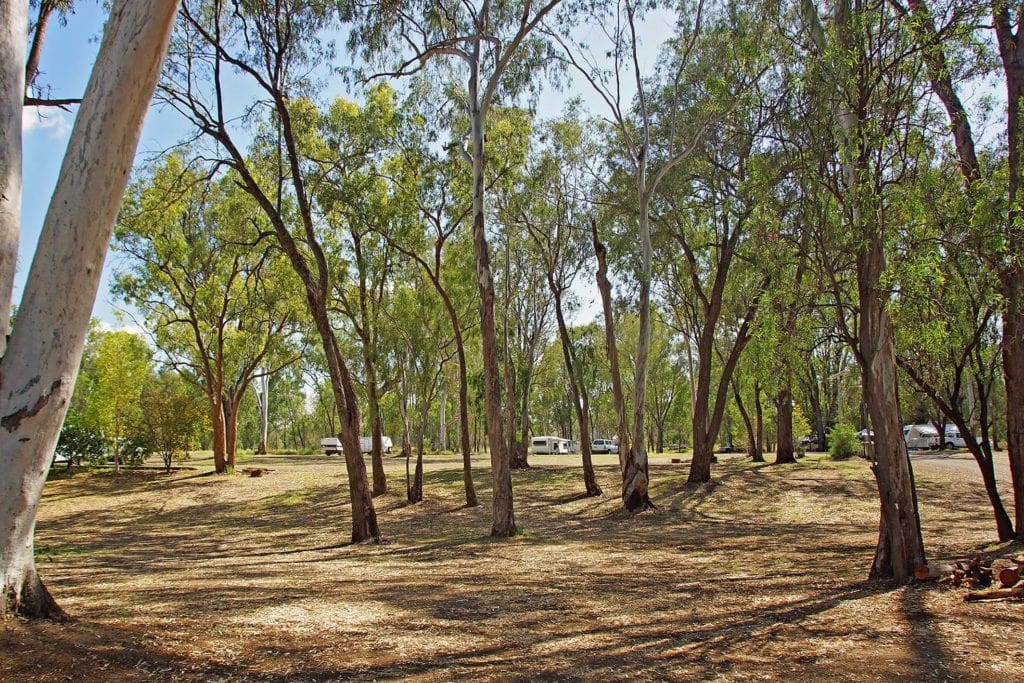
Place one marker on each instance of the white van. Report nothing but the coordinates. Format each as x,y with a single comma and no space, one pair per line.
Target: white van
604,446
921,436
550,445
953,438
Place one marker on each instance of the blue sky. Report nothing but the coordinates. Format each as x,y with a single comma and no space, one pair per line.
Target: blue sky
66,62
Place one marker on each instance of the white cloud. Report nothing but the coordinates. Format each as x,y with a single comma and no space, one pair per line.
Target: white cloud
56,122
104,326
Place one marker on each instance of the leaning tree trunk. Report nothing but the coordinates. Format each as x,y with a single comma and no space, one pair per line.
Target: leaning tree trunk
13,27
784,451
758,424
900,547
604,286
503,516
39,367
580,398
380,482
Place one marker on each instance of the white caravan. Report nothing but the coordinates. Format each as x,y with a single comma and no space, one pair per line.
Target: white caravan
332,444
550,445
921,436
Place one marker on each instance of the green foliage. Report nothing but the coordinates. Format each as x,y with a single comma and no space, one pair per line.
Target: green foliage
79,441
843,442
173,417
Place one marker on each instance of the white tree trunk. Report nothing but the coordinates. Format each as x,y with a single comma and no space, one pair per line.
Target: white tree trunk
261,385
39,368
13,43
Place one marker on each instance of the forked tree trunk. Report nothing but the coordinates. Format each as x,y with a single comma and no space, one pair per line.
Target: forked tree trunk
784,451
380,482
40,364
503,516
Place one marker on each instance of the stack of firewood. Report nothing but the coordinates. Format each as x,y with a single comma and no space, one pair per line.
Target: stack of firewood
978,575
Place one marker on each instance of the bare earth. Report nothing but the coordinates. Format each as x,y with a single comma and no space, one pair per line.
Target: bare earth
760,576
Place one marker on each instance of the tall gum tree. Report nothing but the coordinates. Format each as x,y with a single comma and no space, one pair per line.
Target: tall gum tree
40,362
426,184
872,84
947,52
272,47
495,49
649,158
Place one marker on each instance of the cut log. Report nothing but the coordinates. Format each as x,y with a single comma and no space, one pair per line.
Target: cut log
1015,593
931,572
1009,576
256,471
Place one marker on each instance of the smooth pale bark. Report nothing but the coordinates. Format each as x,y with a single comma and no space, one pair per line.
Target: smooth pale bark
40,365
13,26
635,476
262,389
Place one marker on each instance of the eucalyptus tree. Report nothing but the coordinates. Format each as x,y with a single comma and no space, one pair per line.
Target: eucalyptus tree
122,367
426,182
954,53
721,212
40,357
273,50
357,207
947,314
199,264
428,347
870,78
494,49
649,144
556,215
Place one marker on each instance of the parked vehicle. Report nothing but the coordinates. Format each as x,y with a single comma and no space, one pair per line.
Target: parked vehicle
332,444
366,444
604,446
550,445
921,436
952,438
866,436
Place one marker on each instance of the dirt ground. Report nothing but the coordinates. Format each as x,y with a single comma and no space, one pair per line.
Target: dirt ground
758,576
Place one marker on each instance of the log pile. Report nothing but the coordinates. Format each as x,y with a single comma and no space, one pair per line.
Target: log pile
978,575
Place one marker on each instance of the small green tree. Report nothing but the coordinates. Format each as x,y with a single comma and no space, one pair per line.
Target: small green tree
122,368
842,442
172,416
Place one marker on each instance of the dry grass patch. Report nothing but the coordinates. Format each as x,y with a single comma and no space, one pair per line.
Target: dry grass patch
759,575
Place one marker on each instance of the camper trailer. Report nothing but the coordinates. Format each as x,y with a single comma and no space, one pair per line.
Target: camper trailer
550,445
332,444
921,436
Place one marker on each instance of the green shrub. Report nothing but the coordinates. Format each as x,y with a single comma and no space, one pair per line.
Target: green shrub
843,442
